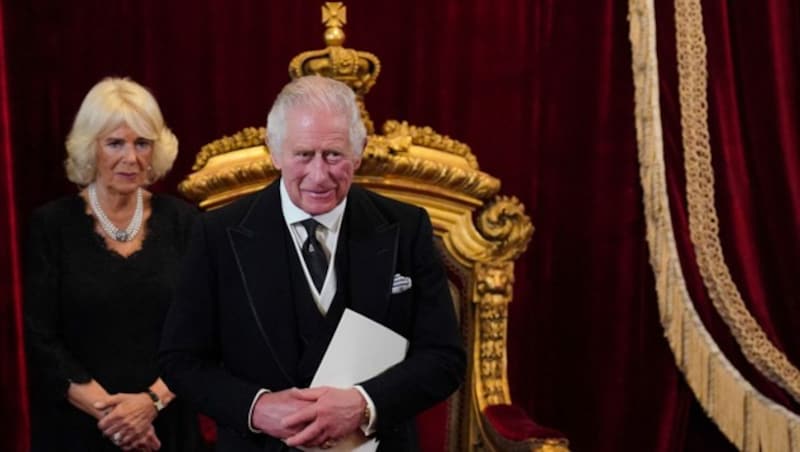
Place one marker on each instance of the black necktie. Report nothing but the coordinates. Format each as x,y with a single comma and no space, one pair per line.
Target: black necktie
313,254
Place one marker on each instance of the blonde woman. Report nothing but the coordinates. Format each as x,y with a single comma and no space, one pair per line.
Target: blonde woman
100,266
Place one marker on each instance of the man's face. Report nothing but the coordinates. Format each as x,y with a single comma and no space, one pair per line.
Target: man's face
316,159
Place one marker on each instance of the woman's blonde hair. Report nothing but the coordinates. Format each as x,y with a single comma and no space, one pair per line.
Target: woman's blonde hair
111,103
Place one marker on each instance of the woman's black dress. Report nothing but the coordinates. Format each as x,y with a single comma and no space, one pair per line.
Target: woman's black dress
92,313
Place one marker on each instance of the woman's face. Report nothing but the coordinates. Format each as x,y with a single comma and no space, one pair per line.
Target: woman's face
123,160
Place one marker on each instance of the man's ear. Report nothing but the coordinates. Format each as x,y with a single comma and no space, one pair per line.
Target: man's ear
277,161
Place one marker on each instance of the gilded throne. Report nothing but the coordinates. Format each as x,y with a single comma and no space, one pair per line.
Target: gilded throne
479,234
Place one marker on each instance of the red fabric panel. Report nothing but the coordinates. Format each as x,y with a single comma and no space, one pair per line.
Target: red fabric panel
588,354
432,425
13,397
208,429
756,106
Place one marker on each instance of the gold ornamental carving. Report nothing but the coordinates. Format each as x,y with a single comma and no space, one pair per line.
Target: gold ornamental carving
248,137
427,137
493,291
506,225
398,155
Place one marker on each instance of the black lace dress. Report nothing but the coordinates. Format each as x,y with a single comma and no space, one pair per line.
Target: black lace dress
92,313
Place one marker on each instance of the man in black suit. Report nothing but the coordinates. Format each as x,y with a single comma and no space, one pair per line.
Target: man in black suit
258,301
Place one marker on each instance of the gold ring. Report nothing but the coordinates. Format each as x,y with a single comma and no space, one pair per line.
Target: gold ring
328,444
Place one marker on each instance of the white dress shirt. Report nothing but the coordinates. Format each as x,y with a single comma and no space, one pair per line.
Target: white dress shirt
328,236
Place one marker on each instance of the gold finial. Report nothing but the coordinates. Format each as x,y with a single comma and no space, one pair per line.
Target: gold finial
334,16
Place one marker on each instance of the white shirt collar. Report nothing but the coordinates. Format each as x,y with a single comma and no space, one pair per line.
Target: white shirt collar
332,219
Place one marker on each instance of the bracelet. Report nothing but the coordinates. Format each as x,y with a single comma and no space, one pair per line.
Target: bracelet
156,401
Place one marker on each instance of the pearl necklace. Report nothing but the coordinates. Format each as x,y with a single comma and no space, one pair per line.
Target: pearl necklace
111,230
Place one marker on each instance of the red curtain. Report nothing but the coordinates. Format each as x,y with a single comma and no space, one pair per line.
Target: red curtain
542,92
13,397
588,353
756,104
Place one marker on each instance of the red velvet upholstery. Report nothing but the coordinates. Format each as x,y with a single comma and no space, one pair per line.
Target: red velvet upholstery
208,429
432,427
512,423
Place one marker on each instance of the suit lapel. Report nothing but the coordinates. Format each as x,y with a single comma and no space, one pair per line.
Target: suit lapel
372,249
260,248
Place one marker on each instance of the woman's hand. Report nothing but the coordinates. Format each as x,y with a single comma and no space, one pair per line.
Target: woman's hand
149,443
128,420
87,396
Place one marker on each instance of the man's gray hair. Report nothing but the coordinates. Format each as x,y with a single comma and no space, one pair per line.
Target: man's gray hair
319,93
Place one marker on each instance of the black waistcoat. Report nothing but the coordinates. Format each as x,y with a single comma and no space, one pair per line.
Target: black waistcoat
314,329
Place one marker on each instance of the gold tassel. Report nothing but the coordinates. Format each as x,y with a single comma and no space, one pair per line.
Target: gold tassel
752,424
794,435
696,358
775,432
674,329
727,402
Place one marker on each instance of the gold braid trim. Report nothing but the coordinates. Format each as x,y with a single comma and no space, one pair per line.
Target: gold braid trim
703,220
749,420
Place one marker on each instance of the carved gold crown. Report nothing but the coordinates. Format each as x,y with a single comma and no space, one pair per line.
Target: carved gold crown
356,68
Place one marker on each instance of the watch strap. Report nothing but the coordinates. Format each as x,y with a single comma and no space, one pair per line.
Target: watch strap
156,400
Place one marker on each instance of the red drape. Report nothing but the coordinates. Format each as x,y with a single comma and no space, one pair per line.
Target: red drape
13,396
588,353
756,104
542,91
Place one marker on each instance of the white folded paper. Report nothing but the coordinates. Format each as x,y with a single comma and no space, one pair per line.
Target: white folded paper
360,349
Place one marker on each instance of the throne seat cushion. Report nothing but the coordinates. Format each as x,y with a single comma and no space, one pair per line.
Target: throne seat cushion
512,423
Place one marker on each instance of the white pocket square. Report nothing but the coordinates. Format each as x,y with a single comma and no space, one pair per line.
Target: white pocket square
400,284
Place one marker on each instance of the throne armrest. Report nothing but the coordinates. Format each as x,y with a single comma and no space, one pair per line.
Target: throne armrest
510,429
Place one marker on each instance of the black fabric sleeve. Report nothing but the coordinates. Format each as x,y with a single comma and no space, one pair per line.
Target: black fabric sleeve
51,365
190,347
